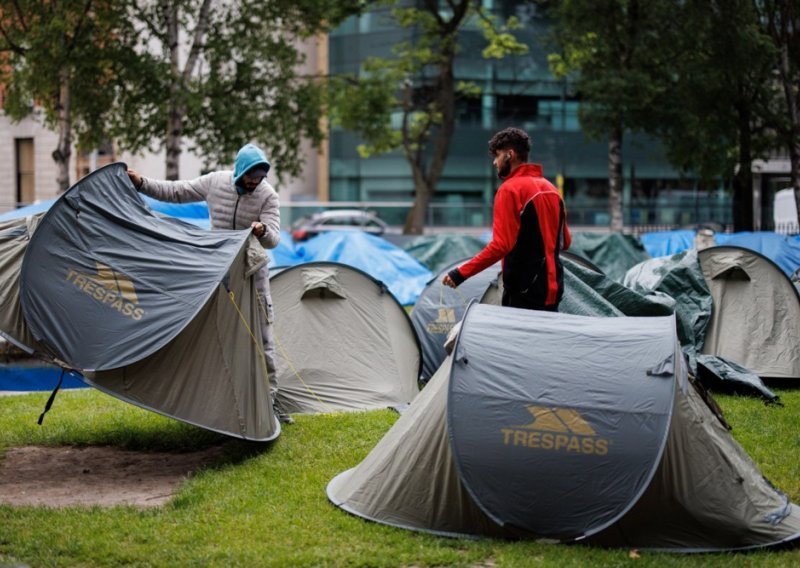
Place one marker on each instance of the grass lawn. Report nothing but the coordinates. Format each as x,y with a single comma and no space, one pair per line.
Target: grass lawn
265,504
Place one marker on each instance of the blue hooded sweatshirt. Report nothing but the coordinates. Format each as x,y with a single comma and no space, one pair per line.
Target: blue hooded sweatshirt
249,156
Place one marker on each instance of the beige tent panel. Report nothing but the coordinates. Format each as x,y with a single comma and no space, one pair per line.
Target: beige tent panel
755,320
410,480
14,238
196,378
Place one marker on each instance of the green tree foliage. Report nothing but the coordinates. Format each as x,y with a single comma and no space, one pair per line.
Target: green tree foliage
61,56
619,54
716,119
407,101
780,20
224,73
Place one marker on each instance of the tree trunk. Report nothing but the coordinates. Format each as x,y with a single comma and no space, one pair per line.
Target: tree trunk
415,220
743,180
615,180
63,151
177,108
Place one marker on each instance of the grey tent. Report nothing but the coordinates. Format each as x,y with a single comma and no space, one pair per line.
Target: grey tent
567,428
343,341
755,319
153,311
440,307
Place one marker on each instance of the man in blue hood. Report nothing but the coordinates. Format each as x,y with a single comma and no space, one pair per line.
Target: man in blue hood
238,199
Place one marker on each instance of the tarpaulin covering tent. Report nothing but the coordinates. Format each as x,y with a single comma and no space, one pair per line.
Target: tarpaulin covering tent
614,253
603,439
343,341
681,278
194,213
666,243
443,249
755,320
152,310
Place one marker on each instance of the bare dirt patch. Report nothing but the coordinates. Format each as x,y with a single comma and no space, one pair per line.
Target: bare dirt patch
104,476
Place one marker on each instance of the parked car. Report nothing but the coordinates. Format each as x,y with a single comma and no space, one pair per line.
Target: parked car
338,220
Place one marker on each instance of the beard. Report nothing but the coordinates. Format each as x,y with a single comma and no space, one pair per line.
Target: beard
504,170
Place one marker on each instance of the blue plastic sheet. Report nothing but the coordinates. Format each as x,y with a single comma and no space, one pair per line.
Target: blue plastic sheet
402,274
666,243
780,249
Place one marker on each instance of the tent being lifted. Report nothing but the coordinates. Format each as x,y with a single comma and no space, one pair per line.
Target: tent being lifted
151,310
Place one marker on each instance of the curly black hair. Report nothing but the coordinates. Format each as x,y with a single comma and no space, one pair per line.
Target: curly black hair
511,139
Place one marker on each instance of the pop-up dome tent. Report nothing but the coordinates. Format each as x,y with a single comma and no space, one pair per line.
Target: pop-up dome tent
755,319
343,341
571,428
151,310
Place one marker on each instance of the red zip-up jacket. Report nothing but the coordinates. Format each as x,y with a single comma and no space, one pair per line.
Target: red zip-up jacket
529,230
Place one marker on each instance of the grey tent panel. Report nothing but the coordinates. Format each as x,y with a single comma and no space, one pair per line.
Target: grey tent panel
560,446
105,282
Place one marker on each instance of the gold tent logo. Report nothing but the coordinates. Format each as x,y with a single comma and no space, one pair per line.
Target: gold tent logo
116,282
110,288
556,429
444,322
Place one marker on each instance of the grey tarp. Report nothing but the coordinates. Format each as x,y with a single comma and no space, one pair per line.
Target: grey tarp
343,341
678,276
705,493
154,311
755,321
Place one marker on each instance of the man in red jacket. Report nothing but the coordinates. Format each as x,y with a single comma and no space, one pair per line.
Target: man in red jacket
529,229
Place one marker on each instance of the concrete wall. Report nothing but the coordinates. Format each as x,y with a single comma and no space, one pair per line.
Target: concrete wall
44,142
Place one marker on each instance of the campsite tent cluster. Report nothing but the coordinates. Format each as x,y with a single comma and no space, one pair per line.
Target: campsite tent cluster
587,425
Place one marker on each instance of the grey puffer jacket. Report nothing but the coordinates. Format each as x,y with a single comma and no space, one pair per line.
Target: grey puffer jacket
226,208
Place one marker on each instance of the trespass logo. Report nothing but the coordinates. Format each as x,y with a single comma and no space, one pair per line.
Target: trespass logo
110,288
444,322
557,430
